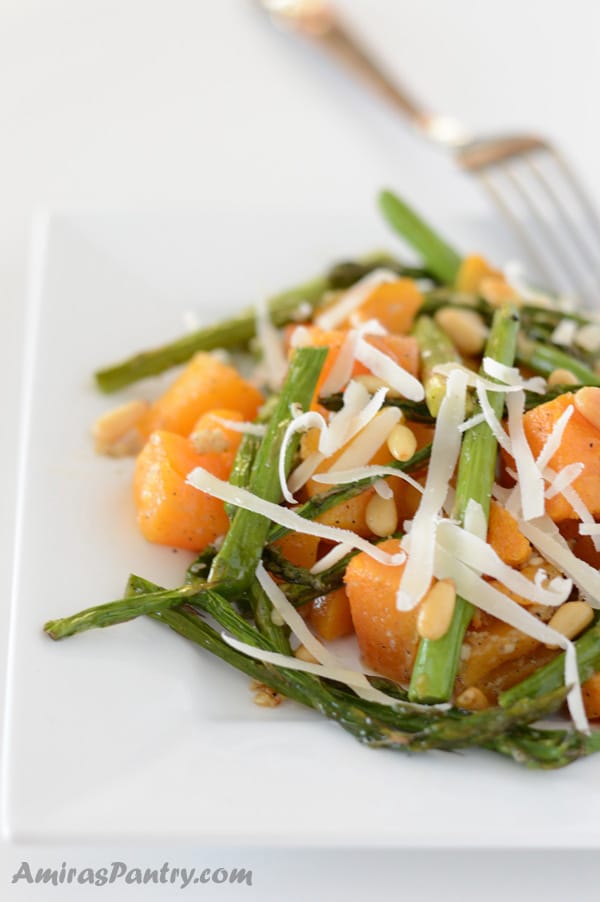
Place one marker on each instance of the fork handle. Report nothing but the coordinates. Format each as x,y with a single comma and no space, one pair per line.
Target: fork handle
321,25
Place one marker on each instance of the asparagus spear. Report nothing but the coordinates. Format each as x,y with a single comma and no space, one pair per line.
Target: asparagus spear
441,259
545,358
368,722
324,501
233,332
120,611
435,348
417,411
235,565
437,660
552,675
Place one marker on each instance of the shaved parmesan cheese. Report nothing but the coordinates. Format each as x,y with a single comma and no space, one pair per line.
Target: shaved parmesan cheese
342,477
364,446
389,371
331,558
258,429
357,411
554,439
304,471
530,484
240,497
308,420
564,333
354,297
545,537
296,623
491,419
475,420
474,551
384,490
473,588
563,479
271,343
420,542
475,520
589,529
341,371
535,384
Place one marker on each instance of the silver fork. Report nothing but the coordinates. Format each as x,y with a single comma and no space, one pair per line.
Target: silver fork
528,179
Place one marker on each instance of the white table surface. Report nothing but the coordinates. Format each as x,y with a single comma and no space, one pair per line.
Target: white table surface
121,104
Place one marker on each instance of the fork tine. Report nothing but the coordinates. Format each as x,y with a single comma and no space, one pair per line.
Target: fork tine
583,198
517,224
538,206
578,238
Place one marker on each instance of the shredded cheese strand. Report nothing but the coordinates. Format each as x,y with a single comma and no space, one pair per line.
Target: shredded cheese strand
417,574
530,484
480,593
382,366
301,423
292,618
354,297
204,481
342,477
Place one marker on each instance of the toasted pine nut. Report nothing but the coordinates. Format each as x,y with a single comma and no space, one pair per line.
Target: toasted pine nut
587,402
437,608
207,441
267,698
372,383
571,619
402,442
115,432
562,377
304,655
465,328
381,516
472,699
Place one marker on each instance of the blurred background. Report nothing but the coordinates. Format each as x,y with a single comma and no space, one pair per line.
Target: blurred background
151,104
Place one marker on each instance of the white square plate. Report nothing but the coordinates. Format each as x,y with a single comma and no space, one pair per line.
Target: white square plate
132,732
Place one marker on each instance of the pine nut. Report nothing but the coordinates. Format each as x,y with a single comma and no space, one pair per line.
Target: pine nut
571,619
115,433
207,441
587,402
402,442
267,698
381,516
465,329
472,699
562,377
436,611
303,654
373,383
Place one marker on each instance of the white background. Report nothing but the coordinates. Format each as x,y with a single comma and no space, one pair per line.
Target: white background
133,104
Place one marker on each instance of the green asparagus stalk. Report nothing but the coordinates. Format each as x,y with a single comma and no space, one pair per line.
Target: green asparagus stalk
298,584
324,501
119,611
435,348
417,411
437,661
348,272
552,675
358,717
545,358
234,332
439,258
235,564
